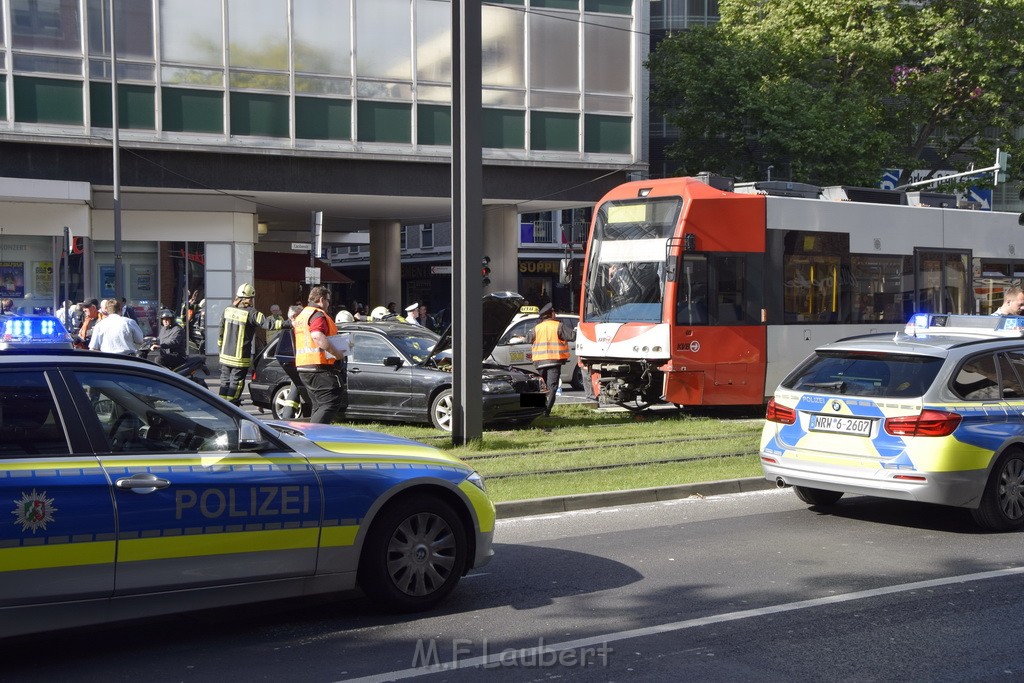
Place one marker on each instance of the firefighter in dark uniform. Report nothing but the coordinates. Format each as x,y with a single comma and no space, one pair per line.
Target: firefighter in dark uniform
550,340
320,358
237,330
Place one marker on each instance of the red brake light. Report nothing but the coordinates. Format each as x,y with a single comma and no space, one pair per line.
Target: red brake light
781,414
928,423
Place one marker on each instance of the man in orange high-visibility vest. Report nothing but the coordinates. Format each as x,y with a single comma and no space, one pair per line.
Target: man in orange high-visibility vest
550,345
320,357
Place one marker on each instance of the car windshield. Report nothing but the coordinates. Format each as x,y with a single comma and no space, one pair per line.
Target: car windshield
851,373
415,343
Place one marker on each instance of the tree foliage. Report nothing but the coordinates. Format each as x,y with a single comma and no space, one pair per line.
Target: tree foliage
834,91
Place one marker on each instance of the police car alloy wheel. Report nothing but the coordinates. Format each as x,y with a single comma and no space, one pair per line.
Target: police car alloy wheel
415,554
1002,504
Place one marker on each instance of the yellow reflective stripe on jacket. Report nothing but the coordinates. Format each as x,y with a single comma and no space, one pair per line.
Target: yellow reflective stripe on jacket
547,347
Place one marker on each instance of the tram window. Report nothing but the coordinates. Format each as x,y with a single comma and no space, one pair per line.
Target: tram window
880,286
942,278
692,291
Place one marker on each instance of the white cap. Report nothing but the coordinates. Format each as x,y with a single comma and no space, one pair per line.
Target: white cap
412,307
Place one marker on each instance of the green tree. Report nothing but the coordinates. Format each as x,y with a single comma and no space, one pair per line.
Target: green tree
834,91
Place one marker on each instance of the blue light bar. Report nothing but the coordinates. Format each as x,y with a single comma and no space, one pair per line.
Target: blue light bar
32,329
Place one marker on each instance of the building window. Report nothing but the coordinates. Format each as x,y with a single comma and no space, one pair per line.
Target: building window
319,118
607,134
504,129
192,111
554,131
427,237
385,122
402,238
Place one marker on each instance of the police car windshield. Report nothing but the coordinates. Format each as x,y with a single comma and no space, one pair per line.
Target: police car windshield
879,375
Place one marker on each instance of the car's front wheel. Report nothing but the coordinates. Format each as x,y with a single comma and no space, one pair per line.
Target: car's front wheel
1002,503
442,409
817,496
415,554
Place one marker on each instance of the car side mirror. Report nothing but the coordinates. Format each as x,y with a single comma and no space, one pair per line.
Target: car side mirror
250,438
393,362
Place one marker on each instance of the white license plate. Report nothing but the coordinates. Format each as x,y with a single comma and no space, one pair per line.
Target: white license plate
840,424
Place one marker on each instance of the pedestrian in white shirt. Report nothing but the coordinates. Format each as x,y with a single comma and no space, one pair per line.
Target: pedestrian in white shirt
116,333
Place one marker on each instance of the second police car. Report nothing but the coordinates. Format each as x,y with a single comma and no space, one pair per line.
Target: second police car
934,414
127,491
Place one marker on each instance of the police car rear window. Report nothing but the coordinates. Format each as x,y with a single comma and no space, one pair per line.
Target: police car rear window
877,375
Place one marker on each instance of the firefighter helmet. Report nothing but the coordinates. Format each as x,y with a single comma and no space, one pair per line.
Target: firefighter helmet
245,291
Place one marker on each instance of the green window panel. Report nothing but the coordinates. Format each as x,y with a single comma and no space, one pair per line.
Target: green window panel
434,124
609,6
520,3
504,129
254,114
606,134
319,118
135,106
192,111
556,4
384,122
3,97
554,131
48,100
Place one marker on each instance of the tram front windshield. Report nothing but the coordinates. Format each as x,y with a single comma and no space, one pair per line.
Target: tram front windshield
628,251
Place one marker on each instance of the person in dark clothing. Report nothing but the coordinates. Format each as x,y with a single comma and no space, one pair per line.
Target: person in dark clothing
171,342
285,354
238,328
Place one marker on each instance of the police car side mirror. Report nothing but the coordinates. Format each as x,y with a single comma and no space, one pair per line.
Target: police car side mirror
250,438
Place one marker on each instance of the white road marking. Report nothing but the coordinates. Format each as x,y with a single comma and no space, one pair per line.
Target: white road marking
506,658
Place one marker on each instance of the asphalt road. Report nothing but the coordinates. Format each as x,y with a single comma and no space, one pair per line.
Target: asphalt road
749,586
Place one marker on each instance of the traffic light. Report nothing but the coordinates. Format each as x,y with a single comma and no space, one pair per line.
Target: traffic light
485,270
1002,160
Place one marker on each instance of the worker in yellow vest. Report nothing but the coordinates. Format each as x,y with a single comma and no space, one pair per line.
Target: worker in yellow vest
320,358
237,330
550,345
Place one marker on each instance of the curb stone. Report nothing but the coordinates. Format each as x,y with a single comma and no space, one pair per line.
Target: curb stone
585,501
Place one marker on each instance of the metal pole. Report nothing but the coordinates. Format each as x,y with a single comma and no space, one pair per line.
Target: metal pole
67,276
467,222
118,275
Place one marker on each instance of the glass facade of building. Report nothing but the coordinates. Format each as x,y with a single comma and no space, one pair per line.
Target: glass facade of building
347,75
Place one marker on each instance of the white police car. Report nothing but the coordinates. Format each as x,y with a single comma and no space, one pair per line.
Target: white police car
934,414
127,491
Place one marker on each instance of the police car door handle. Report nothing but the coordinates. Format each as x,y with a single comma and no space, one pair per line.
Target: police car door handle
142,483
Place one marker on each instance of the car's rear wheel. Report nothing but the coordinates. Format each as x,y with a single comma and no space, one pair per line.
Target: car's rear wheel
415,554
442,409
280,401
1002,503
817,496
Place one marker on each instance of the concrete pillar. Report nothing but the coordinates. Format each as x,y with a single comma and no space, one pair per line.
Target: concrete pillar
501,243
385,263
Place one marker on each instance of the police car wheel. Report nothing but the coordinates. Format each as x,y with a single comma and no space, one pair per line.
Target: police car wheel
817,496
1002,503
415,554
441,410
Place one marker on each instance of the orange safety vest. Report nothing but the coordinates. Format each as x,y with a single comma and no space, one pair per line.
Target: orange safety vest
547,347
306,350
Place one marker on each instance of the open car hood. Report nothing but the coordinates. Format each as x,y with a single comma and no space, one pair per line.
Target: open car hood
498,310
